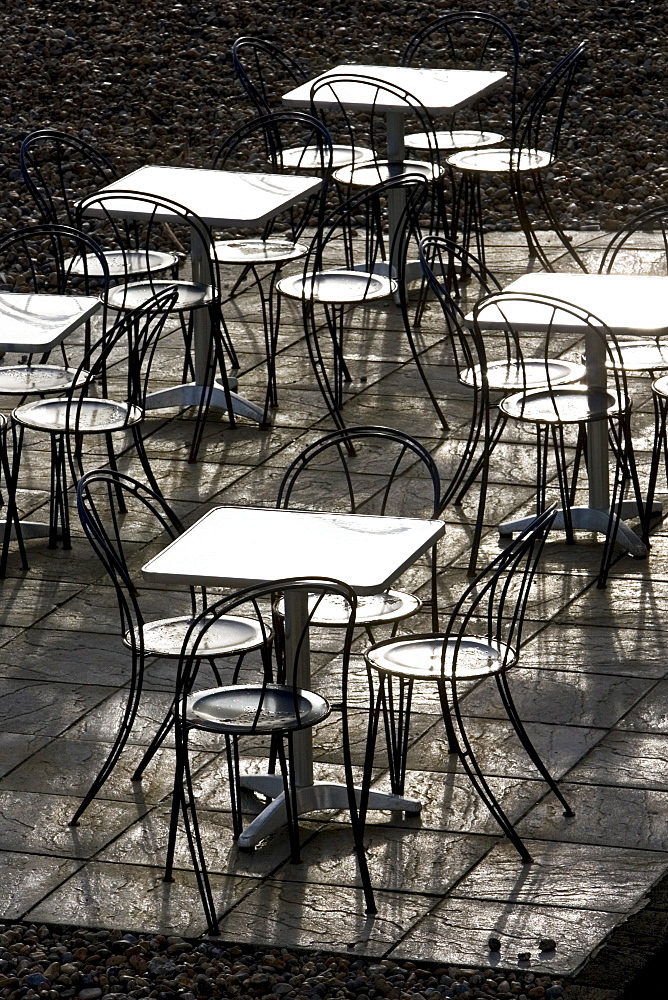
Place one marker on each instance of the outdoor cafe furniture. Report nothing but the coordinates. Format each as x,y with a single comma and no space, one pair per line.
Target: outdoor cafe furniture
106,396
481,638
216,199
594,309
533,149
98,494
244,546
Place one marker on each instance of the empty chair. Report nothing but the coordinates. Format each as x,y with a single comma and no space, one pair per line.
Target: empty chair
533,149
98,496
269,702
481,637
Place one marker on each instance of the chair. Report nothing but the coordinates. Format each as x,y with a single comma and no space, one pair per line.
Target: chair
56,259
259,145
8,499
59,170
228,635
553,407
341,271
270,703
367,470
265,73
485,373
533,149
120,360
481,637
466,40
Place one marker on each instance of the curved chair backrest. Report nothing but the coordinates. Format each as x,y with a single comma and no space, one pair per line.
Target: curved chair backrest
364,470
494,605
52,258
98,492
540,121
438,256
468,39
265,72
59,169
621,252
363,117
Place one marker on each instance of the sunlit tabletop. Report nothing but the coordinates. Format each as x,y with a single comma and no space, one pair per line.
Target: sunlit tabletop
37,322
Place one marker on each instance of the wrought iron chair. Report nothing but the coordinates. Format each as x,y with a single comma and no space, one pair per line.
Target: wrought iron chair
533,149
341,270
228,635
259,145
555,406
105,396
265,73
467,40
481,637
12,522
367,470
274,705
486,370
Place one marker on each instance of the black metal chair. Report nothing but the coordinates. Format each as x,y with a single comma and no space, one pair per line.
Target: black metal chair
259,146
265,73
552,407
342,270
12,522
468,40
367,470
481,637
271,704
105,396
97,503
533,149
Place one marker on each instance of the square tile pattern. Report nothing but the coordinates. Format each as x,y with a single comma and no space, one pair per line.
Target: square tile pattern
592,690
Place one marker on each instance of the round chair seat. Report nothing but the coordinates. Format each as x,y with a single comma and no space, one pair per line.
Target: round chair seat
191,294
94,416
21,380
308,158
372,609
503,376
493,160
371,172
449,142
120,264
250,251
338,286
642,355
229,634
234,709
660,386
570,404
423,657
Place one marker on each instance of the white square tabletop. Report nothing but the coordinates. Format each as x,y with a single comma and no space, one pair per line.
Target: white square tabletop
242,546
627,303
37,322
219,197
436,89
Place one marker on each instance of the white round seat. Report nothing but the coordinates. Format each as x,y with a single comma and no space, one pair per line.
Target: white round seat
642,355
431,657
338,286
234,709
91,416
451,141
256,251
230,633
500,161
191,294
120,264
372,609
308,158
21,380
503,376
569,404
371,172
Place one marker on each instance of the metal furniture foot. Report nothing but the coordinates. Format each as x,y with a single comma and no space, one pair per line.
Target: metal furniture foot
591,519
190,394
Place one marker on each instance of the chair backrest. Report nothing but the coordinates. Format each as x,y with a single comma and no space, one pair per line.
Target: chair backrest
468,39
540,121
265,72
632,241
148,517
52,258
438,257
494,605
59,169
367,470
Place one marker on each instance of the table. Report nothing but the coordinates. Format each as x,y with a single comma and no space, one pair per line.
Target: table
242,546
629,304
34,323
220,198
437,90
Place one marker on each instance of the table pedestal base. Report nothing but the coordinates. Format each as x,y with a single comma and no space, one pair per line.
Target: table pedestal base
591,519
190,394
319,795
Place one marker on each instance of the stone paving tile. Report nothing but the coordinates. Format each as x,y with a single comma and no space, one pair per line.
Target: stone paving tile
26,880
134,898
650,715
26,601
47,708
633,652
626,758
40,654
15,748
